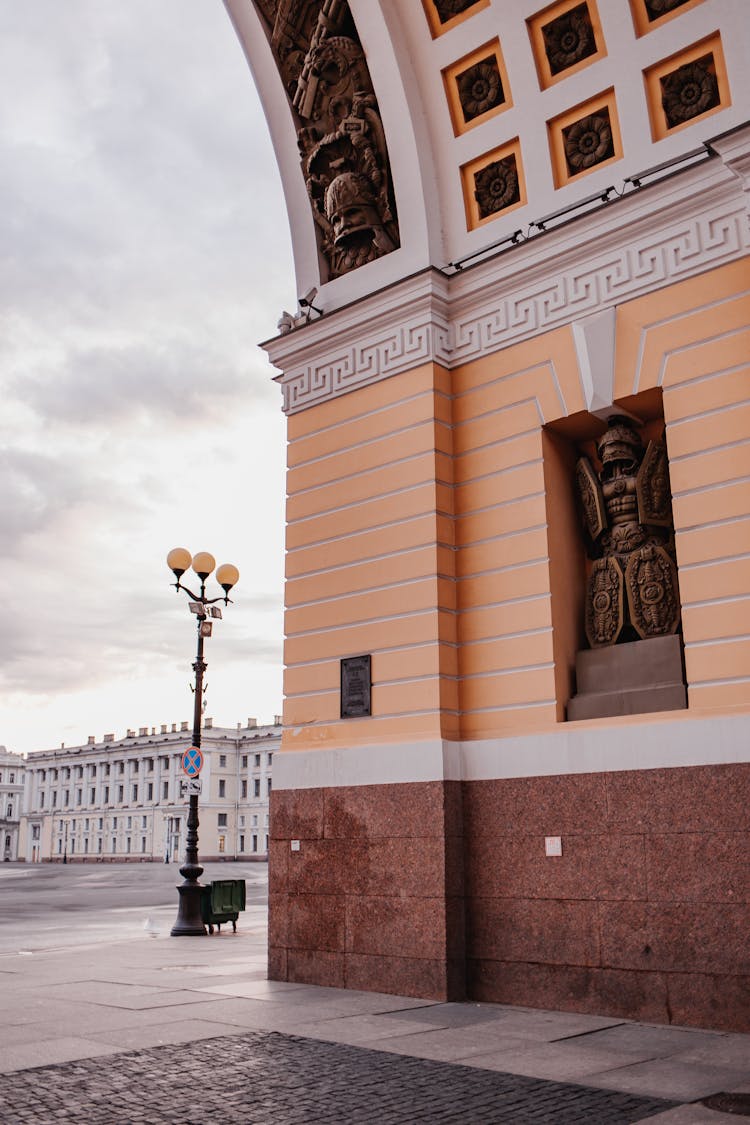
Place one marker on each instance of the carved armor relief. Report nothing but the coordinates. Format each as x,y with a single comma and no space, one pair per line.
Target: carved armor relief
340,135
632,591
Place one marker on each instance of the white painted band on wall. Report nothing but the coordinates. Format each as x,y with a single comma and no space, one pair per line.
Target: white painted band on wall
638,745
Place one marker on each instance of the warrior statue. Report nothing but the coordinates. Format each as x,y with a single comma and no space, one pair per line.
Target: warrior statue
632,590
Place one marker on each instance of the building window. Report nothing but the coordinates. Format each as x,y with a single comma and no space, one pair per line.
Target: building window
222,822
114,822
242,843
54,799
268,786
12,779
135,793
99,845
66,797
165,790
86,824
143,843
144,821
256,787
244,761
106,794
121,768
255,819
100,823
114,845
129,823
255,843
150,791
106,770
59,847
244,788
120,794
222,761
127,844
93,771
222,843
222,788
92,795
86,844
41,800
266,847
72,845
79,771
35,832
257,759
79,796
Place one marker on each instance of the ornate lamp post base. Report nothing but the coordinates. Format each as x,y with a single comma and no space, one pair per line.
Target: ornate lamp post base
189,922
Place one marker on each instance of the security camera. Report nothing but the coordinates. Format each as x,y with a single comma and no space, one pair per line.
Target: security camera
306,300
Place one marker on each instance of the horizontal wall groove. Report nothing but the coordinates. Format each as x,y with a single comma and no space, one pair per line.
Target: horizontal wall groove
708,450
716,601
714,562
503,504
733,640
509,671
499,472
733,370
409,646
710,488
499,638
545,596
720,682
430,482
713,523
427,393
508,535
322,629
368,590
366,560
334,481
530,400
363,531
503,569
524,706
498,443
426,423
703,414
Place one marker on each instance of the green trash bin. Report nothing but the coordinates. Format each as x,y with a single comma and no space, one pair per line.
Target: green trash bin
222,901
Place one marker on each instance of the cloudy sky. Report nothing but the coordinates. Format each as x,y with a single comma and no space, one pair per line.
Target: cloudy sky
144,250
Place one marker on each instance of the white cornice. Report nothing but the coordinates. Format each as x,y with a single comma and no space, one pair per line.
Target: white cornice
672,230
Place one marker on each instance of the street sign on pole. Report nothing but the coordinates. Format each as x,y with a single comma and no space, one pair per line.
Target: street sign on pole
194,785
192,762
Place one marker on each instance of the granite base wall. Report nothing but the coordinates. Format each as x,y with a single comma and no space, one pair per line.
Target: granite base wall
443,890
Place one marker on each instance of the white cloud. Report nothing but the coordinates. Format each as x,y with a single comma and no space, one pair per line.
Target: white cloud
143,252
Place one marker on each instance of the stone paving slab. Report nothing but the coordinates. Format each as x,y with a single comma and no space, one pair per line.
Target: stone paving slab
273,1079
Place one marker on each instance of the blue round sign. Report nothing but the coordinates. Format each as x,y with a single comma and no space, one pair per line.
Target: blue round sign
192,761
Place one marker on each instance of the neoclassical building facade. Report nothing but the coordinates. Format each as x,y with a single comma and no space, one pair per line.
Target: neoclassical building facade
119,800
515,759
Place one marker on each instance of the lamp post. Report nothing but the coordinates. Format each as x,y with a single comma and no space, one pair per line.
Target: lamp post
189,921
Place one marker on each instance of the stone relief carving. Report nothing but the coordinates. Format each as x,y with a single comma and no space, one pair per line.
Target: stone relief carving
569,38
657,8
588,141
496,186
480,88
340,136
689,91
632,591
447,9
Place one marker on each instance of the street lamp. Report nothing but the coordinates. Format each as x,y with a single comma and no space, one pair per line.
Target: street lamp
189,921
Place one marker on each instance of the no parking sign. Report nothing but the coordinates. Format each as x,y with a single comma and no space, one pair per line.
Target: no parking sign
192,762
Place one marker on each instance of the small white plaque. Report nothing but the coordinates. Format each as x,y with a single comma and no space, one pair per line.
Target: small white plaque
553,845
194,785
295,845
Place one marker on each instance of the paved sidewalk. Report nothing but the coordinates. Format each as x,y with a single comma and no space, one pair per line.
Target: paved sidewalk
157,1029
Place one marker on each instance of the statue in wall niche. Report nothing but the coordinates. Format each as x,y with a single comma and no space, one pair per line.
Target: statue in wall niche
632,591
340,134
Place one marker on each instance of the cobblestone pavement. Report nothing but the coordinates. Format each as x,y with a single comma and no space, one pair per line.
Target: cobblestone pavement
274,1079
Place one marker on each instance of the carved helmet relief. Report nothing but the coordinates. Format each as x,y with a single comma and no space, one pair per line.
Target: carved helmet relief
340,135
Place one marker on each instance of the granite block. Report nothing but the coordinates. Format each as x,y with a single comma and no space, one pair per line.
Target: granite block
402,976
278,920
549,806
278,851
277,963
383,925
683,799
571,988
699,867
590,867
371,811
296,814
314,966
316,922
540,930
710,1000
676,937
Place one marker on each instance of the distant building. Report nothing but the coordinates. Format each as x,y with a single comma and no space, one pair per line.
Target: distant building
115,800
11,797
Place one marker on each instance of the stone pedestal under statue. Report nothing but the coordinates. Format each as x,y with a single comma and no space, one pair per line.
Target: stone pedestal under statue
629,679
